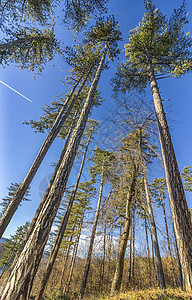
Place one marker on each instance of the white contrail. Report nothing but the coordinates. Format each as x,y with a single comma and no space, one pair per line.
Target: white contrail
15,91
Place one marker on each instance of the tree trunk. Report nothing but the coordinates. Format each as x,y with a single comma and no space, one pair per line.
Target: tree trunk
179,263
65,262
61,232
88,262
167,232
133,246
168,245
30,230
120,232
66,289
160,273
17,198
103,259
20,279
153,259
130,254
117,279
110,239
178,204
148,252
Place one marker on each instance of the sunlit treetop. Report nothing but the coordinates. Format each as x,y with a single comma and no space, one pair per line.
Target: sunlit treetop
105,32
137,144
163,40
82,58
85,193
91,127
103,163
158,188
187,177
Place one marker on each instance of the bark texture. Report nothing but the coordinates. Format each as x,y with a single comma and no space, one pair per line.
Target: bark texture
161,279
17,198
117,279
31,227
168,244
61,233
102,273
133,246
72,264
88,261
130,255
178,204
153,259
65,261
20,279
148,252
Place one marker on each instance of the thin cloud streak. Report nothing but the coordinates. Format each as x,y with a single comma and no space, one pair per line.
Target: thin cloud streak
15,91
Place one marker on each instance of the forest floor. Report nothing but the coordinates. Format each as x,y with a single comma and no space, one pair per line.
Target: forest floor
154,294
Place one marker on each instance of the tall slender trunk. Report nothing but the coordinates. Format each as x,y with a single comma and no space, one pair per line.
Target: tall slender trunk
61,232
103,263
117,279
18,196
168,245
30,230
66,289
148,252
130,254
88,261
120,231
153,258
133,246
20,279
167,231
103,259
178,204
161,279
179,263
64,263
109,253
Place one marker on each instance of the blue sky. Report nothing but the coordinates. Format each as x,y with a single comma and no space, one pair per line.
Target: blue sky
19,144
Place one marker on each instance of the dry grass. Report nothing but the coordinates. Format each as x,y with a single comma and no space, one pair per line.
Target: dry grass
153,294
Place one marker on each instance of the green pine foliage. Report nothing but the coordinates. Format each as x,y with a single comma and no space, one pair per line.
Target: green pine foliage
19,11
77,13
29,48
83,197
166,43
187,177
11,191
12,245
158,188
106,32
50,113
103,164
